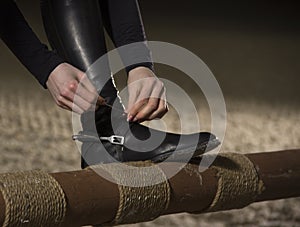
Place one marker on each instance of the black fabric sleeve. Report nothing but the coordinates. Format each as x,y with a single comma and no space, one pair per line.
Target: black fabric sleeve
21,40
123,22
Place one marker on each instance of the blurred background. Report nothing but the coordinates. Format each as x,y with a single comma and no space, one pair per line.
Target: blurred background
252,48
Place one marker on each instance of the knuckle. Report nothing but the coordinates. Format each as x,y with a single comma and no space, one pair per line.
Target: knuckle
80,75
152,107
151,79
142,100
72,85
156,80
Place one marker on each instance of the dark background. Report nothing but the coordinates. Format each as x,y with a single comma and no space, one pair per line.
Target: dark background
252,47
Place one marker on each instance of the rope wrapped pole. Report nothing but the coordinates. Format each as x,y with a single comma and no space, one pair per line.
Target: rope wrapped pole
84,198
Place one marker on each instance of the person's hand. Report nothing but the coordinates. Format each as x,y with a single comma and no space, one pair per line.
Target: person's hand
147,96
72,90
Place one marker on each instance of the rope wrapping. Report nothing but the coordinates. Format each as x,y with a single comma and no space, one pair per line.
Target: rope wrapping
32,198
144,191
238,182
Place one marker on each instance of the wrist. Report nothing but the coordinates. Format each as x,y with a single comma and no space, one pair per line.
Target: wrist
141,70
54,72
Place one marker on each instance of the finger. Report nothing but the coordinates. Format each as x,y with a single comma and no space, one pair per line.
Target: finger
134,92
161,110
81,96
85,82
130,104
134,103
136,108
67,104
163,105
153,103
147,110
141,97
87,95
90,96
68,89
83,104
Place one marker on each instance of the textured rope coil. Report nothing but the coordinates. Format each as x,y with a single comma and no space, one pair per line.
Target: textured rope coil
144,191
32,198
238,182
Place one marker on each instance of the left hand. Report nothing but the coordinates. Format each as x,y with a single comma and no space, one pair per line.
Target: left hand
147,96
72,90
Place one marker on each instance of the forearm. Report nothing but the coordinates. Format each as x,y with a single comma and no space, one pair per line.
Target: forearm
22,41
122,20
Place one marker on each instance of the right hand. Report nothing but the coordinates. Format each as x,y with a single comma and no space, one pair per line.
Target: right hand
147,96
72,90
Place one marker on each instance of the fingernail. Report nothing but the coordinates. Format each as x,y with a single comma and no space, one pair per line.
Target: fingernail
129,118
135,119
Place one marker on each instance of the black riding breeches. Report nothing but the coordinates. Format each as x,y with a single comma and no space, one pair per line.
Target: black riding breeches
75,29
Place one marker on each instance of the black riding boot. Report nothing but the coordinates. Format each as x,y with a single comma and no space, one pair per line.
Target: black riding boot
131,141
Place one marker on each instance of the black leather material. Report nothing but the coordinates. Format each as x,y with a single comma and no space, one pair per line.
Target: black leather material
94,154
141,142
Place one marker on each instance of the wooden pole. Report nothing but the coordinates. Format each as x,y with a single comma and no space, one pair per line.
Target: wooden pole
93,200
